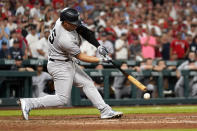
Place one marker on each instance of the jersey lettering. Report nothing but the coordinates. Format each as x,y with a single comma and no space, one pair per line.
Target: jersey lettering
52,36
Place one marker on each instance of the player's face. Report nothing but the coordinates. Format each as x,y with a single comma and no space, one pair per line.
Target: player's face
69,26
39,68
18,63
192,56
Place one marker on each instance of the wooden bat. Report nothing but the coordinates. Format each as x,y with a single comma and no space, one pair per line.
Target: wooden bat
130,78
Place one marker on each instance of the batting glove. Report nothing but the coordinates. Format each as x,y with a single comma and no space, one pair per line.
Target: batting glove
102,50
105,59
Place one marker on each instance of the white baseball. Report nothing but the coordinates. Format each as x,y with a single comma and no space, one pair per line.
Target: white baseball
146,96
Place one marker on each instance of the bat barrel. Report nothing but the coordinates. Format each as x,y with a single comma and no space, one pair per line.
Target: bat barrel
130,78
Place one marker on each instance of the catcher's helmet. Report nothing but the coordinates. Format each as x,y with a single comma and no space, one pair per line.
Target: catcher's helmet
70,15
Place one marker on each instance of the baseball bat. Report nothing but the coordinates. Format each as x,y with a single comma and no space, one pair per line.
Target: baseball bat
130,78
89,36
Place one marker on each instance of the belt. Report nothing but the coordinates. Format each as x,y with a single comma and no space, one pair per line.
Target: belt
58,60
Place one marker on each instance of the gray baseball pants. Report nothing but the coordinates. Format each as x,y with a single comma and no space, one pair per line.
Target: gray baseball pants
65,75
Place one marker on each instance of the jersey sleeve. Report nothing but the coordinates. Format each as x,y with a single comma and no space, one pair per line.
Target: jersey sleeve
182,66
87,35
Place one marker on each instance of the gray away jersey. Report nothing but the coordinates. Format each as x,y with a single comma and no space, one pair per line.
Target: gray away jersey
62,43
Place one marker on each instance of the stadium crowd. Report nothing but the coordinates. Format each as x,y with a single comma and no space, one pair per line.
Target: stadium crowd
140,30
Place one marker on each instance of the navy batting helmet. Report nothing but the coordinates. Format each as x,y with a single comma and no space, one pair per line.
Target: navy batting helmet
70,15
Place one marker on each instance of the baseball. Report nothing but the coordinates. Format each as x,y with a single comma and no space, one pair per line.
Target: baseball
146,96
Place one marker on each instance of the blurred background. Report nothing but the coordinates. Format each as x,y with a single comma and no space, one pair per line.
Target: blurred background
154,40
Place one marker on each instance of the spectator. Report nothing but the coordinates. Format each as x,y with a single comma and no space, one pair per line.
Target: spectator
148,45
119,29
35,11
121,85
43,11
134,45
32,40
101,20
24,44
189,64
110,30
57,3
180,47
41,27
173,11
25,23
4,33
189,39
48,18
39,81
21,7
11,25
165,47
154,25
42,45
193,30
2,14
4,52
193,45
13,37
6,9
141,32
15,51
121,48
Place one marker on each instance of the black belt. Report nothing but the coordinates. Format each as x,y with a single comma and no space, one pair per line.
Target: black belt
58,60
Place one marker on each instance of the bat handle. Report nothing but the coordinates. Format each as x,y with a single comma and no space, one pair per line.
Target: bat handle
108,58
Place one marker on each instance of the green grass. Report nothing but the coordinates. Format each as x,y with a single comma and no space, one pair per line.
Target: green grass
93,111
155,130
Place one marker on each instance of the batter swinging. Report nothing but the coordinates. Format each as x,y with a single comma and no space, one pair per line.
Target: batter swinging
64,44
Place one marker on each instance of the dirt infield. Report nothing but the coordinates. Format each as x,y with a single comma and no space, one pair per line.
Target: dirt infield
92,122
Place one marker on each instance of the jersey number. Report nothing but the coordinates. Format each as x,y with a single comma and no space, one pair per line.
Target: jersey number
52,36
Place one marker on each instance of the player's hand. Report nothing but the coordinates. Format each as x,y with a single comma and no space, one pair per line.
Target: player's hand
105,59
102,50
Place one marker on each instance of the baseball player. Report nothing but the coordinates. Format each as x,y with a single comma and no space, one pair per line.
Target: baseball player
64,44
39,81
190,64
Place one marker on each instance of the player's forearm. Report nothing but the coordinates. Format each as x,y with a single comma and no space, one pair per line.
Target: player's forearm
85,58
